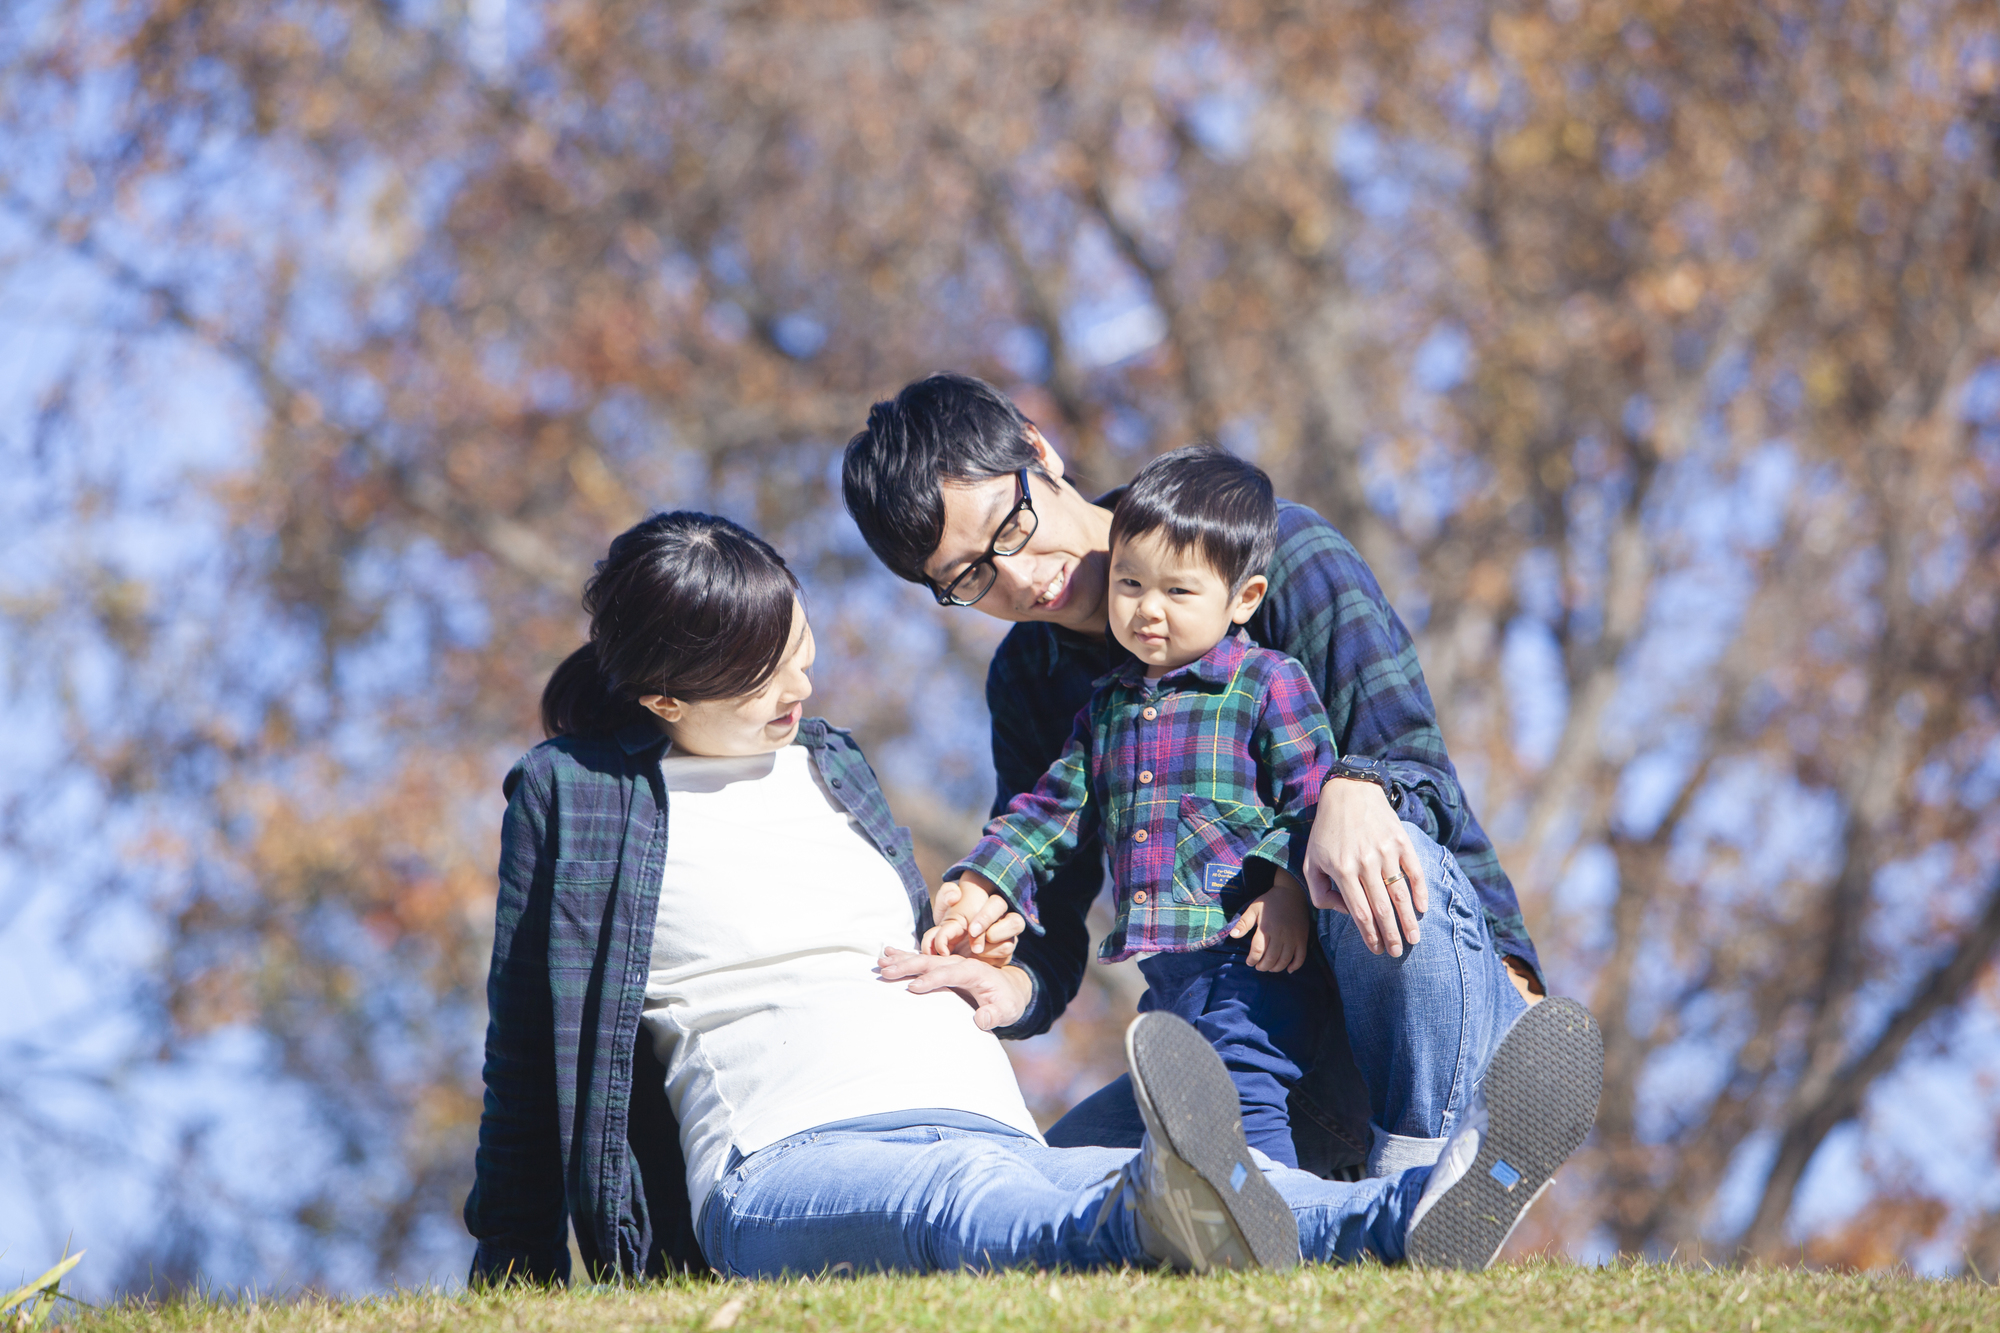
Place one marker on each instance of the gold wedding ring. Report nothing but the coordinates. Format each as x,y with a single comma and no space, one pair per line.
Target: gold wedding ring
1393,879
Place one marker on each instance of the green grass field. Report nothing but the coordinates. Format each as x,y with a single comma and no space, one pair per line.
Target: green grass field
1533,1295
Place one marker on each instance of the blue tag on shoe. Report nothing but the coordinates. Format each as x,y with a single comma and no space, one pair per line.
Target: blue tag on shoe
1238,1176
1505,1174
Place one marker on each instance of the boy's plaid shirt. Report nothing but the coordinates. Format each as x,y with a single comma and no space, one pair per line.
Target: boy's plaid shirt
1188,779
1326,611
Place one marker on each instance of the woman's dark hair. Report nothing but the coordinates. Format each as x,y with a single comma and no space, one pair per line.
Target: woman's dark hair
684,604
945,428
1205,499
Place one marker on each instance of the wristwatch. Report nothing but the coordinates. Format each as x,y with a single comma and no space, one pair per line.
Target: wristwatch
1363,769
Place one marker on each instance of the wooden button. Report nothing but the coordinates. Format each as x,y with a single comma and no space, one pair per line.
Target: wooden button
1145,775
1139,897
1140,836
1149,713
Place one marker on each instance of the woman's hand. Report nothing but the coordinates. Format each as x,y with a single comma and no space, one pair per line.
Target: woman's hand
973,921
1360,861
998,995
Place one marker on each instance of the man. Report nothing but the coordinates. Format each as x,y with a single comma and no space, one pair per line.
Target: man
954,488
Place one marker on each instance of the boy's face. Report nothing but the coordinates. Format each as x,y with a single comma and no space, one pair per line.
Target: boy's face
1168,607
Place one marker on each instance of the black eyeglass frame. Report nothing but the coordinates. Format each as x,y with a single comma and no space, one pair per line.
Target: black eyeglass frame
947,596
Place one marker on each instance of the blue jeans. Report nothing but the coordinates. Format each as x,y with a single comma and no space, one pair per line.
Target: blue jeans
1421,1026
1264,1025
906,1193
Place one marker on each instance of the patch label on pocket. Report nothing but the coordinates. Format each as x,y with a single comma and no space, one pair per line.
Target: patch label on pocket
1219,875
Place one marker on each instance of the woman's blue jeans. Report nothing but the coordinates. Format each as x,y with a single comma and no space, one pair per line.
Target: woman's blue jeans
1421,1026
904,1193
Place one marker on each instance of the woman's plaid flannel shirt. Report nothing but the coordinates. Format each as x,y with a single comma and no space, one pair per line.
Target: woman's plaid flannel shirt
1190,779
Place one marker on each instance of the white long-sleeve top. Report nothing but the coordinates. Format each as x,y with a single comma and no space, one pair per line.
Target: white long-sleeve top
763,1001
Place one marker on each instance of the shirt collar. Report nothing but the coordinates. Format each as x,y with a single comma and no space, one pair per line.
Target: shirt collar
638,737
1217,666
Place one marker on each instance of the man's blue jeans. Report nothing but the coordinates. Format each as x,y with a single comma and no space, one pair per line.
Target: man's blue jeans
1421,1026
905,1193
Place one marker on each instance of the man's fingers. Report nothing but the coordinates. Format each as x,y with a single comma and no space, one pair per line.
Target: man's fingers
1321,888
1356,904
1383,904
1406,912
1420,888
985,918
1008,927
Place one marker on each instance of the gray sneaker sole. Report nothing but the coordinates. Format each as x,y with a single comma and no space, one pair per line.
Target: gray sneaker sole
1187,1098
1541,1099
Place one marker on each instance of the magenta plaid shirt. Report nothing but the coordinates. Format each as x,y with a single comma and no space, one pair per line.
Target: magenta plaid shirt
1191,779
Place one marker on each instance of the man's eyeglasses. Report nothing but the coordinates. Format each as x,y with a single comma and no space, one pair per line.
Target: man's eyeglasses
976,579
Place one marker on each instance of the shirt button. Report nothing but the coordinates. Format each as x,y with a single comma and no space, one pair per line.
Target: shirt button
1139,897
1149,713
1145,775
1140,836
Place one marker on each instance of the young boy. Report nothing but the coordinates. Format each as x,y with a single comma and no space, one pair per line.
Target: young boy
1200,763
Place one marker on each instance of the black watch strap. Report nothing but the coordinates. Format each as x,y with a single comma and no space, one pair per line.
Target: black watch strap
1362,769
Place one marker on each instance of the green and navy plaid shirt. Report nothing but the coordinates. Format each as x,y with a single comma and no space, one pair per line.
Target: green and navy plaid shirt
1190,780
1325,610
576,1126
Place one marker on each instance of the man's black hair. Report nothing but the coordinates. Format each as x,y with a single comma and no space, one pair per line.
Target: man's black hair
1204,499
945,428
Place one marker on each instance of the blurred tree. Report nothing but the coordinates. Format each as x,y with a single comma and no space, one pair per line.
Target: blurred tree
1645,347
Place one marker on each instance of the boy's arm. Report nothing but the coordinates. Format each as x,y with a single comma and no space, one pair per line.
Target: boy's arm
1040,831
1294,749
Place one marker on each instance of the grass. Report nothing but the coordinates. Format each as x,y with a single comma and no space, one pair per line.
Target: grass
1522,1298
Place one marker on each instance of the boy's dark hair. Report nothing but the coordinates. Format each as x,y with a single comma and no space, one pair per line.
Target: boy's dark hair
686,605
945,428
1205,499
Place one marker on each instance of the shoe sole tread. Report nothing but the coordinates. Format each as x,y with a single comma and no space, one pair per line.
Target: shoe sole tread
1541,1090
1197,1109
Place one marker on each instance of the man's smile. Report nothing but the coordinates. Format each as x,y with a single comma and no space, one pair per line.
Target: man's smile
1053,596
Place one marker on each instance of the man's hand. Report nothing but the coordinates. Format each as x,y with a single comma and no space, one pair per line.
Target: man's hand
998,995
1281,920
973,921
1360,861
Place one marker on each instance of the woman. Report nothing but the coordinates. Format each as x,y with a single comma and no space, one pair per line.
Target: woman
697,886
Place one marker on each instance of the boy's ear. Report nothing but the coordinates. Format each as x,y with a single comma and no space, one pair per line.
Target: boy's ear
1248,597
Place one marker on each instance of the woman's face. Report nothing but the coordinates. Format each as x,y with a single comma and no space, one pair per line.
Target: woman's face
753,723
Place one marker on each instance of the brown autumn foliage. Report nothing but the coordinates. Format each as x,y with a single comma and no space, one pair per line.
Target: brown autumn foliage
1636,344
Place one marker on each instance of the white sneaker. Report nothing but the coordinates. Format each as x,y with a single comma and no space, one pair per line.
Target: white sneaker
1202,1202
1537,1101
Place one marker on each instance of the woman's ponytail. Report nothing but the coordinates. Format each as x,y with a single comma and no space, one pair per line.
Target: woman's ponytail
685,605
578,701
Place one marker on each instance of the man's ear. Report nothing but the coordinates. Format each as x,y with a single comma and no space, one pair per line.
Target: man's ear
1248,598
660,706
1045,453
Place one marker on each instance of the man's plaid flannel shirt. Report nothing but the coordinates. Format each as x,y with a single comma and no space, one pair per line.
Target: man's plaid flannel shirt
1189,779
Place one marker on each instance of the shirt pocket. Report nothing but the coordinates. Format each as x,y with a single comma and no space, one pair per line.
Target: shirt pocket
1211,845
580,891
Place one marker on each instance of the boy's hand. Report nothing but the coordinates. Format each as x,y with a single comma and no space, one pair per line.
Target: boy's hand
1282,922
972,921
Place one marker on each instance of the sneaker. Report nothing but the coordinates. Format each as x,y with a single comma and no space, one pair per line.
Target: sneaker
1537,1101
1202,1202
